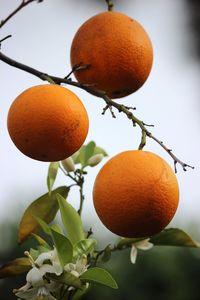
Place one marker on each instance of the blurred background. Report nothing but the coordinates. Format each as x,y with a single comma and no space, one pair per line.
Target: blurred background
41,37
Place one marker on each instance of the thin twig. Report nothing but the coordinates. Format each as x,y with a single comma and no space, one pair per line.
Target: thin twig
81,194
130,108
109,103
78,180
89,233
143,140
148,125
169,151
82,198
135,120
22,5
74,179
77,68
110,109
110,5
5,38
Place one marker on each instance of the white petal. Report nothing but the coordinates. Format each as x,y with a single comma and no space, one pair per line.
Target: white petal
81,265
34,277
30,294
75,273
43,293
24,288
57,268
133,254
44,256
46,268
69,267
55,255
144,245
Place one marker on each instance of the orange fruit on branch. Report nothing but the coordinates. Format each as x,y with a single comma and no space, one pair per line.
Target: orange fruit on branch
48,122
136,194
118,51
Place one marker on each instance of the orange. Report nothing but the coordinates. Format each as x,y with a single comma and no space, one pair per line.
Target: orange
136,194
47,122
118,51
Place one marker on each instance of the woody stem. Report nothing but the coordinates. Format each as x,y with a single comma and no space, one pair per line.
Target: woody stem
14,12
109,102
110,5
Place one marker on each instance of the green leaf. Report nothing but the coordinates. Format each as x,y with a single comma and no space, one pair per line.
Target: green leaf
106,254
66,278
99,150
127,242
81,155
174,237
167,237
45,208
34,253
63,247
71,221
40,240
76,158
44,226
100,276
15,267
42,249
52,173
85,246
89,150
57,228
86,152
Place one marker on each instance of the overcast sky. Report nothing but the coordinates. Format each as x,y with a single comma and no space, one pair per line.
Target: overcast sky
42,35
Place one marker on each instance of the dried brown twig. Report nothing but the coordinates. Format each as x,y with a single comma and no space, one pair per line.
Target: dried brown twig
14,12
89,88
109,104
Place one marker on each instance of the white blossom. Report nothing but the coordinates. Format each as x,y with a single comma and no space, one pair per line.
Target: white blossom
78,268
52,256
38,288
142,245
36,293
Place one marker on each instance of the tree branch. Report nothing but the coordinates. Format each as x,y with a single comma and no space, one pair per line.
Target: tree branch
22,5
109,103
5,38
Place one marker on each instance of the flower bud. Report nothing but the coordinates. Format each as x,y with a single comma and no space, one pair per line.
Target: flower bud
95,160
68,164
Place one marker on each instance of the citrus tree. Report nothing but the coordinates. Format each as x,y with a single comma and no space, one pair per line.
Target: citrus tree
136,192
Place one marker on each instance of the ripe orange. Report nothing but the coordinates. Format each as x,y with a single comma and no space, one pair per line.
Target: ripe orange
118,51
47,122
136,194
